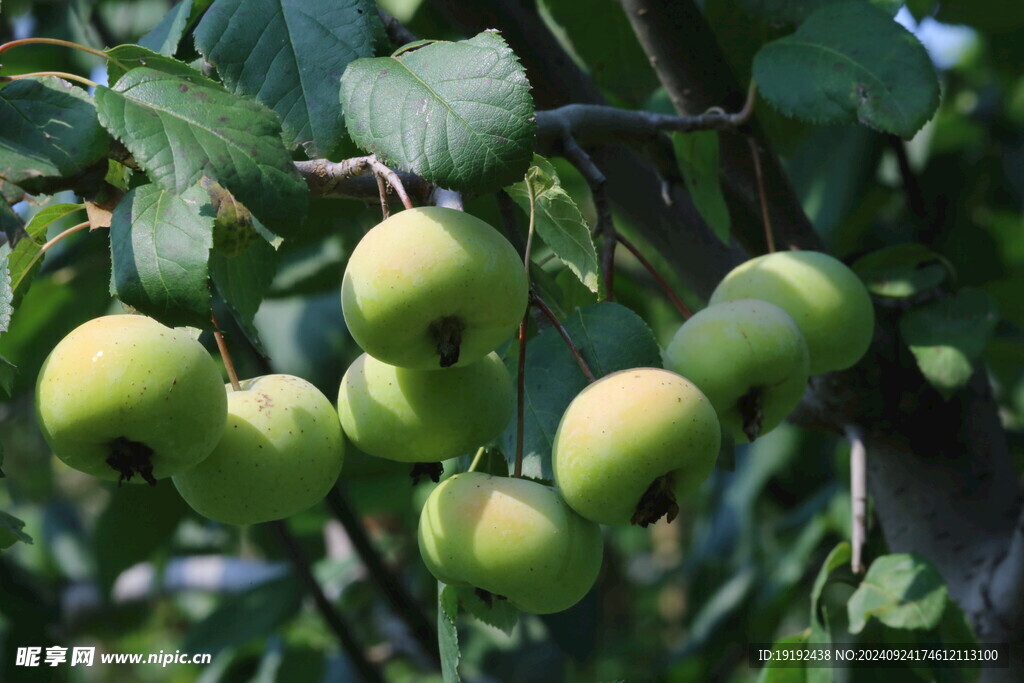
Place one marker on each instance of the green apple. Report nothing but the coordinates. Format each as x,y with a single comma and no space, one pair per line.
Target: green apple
750,360
123,395
632,443
512,538
281,453
433,287
829,303
424,415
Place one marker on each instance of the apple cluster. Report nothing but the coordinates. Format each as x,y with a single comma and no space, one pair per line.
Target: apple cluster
124,398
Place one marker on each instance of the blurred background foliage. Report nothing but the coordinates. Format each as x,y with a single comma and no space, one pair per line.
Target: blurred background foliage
134,570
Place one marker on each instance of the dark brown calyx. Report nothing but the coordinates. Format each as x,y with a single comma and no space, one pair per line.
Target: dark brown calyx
488,597
434,470
749,407
447,333
129,458
659,500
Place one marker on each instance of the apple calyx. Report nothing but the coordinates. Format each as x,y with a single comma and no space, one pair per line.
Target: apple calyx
433,470
447,332
659,500
129,458
749,406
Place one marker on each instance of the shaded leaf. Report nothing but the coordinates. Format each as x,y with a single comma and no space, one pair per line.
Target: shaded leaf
11,530
901,591
165,36
447,633
697,153
180,127
849,62
947,336
459,114
7,373
10,222
780,11
903,271
243,280
610,337
48,129
558,221
160,247
290,55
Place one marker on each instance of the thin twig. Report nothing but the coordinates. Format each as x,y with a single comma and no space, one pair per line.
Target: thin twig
57,74
338,625
393,180
223,348
402,602
520,395
46,247
676,301
858,497
63,43
336,178
539,303
911,186
382,190
398,34
755,154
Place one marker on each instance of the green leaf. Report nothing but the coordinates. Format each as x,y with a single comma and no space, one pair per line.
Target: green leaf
697,153
48,129
181,127
497,613
610,337
903,270
558,221
458,114
241,618
243,280
137,521
160,246
10,222
604,40
11,530
793,11
831,570
165,36
124,58
947,336
901,591
7,373
789,672
849,62
290,55
18,265
447,633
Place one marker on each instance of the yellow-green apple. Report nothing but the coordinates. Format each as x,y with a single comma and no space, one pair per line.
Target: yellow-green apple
632,443
433,287
123,395
750,360
829,303
281,453
424,415
512,538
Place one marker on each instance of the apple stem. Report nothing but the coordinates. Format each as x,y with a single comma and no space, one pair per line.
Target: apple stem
223,348
662,282
63,43
477,458
755,153
57,74
520,391
573,349
45,248
858,497
337,623
382,190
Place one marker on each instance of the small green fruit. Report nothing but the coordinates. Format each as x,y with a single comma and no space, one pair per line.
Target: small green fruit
424,415
750,360
512,538
123,395
829,303
281,453
433,287
632,443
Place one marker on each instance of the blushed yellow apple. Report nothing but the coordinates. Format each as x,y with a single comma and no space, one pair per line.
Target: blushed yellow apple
513,538
281,453
632,443
123,395
433,287
750,360
424,415
829,303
